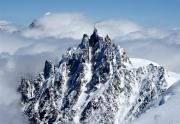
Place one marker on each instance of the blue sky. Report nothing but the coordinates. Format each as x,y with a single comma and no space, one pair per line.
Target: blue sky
159,13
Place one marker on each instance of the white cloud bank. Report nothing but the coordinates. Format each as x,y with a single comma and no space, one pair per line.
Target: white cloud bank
145,42
23,51
62,25
74,25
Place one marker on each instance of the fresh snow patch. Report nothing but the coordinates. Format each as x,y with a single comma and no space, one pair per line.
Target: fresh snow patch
171,78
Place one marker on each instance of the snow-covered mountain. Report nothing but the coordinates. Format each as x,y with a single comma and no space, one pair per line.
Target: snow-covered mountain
95,83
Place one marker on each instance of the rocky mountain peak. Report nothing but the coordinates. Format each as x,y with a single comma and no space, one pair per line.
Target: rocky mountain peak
93,83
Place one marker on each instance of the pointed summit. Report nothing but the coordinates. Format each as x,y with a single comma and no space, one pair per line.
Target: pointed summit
92,84
95,31
94,37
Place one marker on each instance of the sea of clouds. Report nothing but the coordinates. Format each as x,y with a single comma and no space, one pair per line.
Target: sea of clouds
23,50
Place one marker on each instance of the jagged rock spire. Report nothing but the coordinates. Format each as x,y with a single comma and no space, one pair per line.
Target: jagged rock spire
95,31
85,41
48,69
94,37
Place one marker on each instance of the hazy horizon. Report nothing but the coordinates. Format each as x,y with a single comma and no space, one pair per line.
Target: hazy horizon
159,13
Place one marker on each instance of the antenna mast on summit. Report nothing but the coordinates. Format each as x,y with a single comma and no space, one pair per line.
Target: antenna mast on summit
95,26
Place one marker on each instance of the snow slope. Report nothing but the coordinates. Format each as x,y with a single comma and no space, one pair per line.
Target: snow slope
171,77
137,62
167,113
